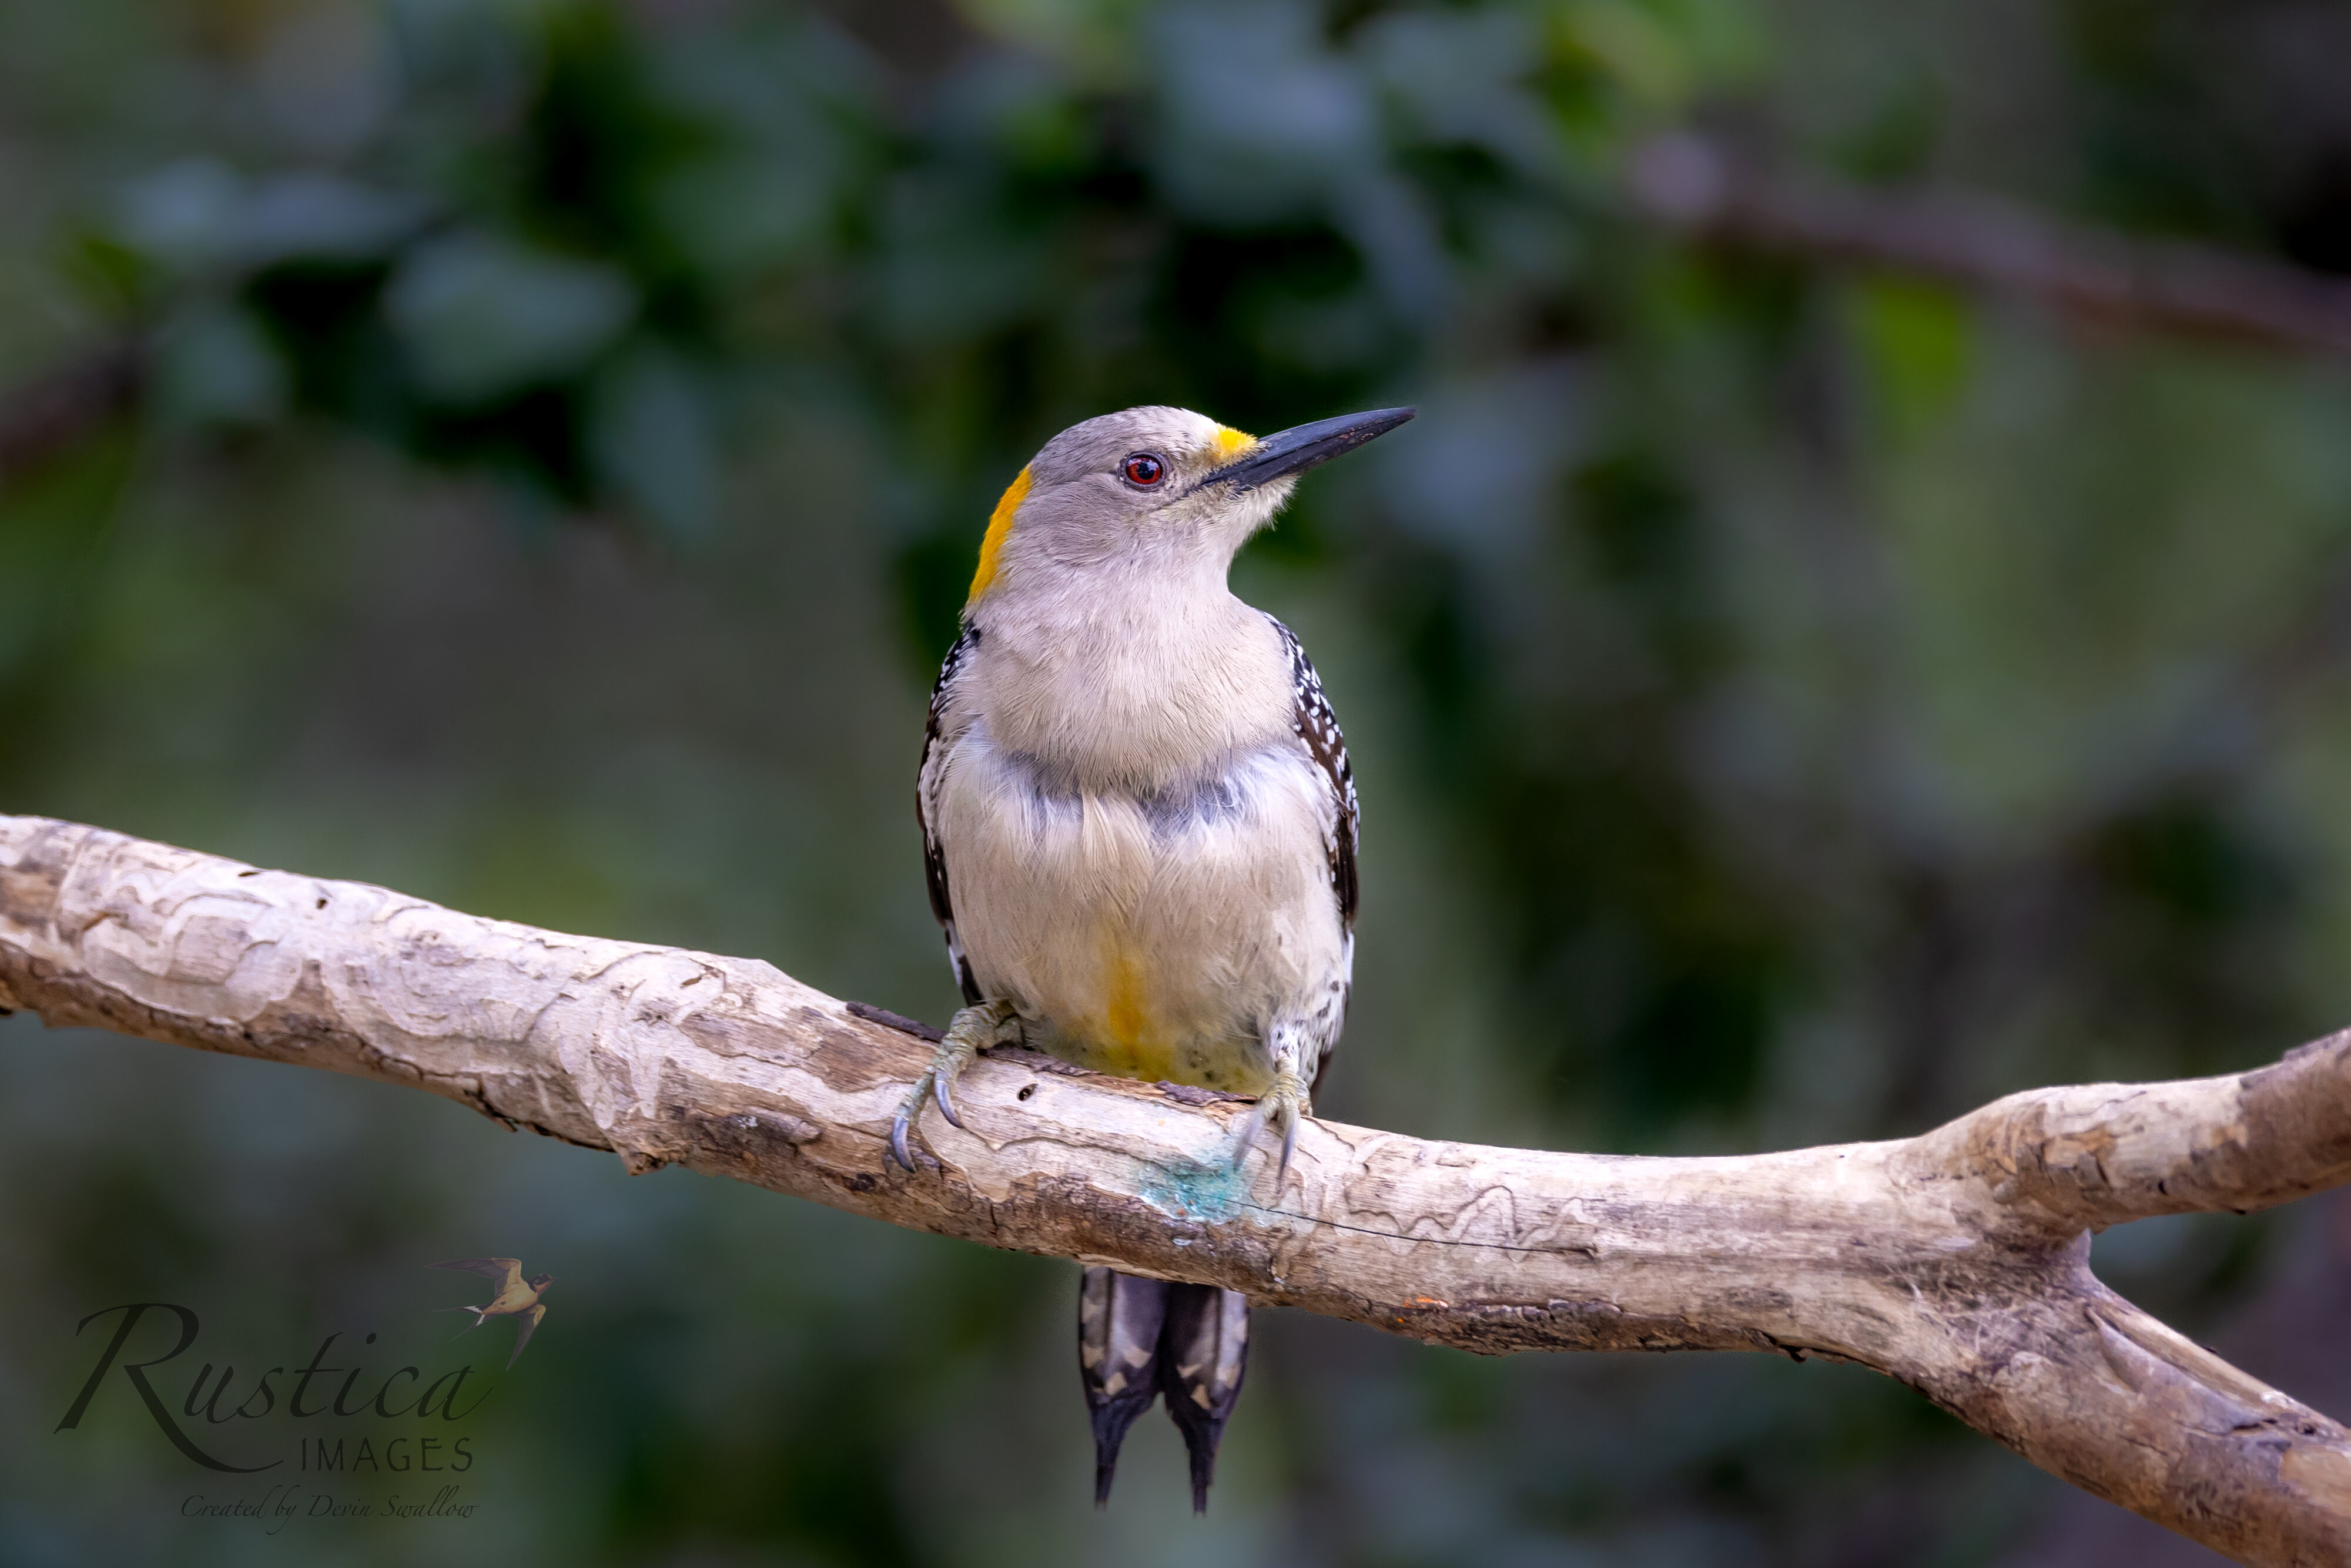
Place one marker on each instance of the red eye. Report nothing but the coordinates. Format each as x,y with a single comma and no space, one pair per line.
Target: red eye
1145,469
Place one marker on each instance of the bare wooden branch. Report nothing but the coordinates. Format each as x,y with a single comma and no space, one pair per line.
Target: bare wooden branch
1956,1261
1705,189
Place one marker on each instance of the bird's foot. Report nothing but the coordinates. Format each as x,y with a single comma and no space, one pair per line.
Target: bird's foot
1279,1107
972,1031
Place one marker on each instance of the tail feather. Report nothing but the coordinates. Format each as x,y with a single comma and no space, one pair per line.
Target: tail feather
1203,1356
1120,1322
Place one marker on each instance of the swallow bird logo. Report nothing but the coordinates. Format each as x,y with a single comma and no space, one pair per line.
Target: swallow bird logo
518,1298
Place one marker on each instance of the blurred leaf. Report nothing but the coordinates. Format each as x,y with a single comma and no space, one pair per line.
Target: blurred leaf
220,369
1914,340
480,316
650,440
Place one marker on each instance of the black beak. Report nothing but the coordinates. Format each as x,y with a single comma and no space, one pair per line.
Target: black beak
1303,446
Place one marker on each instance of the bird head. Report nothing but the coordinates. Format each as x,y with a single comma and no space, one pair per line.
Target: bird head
541,1282
1160,490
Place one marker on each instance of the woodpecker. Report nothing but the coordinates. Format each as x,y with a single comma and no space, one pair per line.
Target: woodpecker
1139,825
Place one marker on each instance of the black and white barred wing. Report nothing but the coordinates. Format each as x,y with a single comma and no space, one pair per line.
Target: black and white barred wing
1318,728
927,788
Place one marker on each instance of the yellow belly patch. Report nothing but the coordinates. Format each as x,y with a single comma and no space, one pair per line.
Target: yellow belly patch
1132,1044
1132,1035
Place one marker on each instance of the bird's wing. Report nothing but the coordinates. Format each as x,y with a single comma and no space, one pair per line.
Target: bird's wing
506,1272
927,785
528,1321
1318,729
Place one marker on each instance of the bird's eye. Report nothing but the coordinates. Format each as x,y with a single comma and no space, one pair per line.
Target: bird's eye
1146,470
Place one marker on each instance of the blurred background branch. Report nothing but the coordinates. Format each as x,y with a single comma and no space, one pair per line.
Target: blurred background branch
51,415
1710,191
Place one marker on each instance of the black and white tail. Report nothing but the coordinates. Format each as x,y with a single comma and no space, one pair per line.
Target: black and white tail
1138,1338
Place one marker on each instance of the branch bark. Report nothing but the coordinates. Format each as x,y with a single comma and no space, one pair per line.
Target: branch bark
1956,1261
1697,185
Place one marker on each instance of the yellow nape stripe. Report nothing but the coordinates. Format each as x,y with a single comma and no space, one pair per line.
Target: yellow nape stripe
999,523
1231,443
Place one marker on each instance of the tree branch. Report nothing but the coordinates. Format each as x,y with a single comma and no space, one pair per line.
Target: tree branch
1694,184
1956,1261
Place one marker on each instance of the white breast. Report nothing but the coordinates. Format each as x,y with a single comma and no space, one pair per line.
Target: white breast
1153,932
1114,692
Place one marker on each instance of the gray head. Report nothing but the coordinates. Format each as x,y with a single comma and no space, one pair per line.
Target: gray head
1158,490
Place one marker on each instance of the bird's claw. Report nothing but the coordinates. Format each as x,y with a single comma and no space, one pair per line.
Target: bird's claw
973,1030
932,1084
1283,1105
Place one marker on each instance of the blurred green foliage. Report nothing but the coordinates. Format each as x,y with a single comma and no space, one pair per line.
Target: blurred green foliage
1790,705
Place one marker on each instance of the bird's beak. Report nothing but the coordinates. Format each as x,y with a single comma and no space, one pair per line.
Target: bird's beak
1303,446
